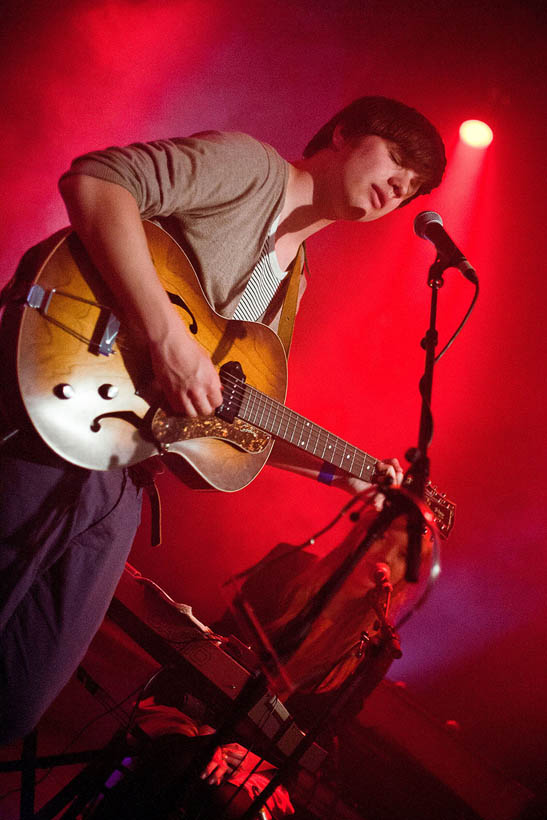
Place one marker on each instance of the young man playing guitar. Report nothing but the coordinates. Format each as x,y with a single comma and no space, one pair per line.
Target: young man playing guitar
241,213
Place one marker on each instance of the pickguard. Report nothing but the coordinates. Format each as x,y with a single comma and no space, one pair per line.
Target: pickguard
168,429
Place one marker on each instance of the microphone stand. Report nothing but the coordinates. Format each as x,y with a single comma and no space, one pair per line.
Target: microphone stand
418,474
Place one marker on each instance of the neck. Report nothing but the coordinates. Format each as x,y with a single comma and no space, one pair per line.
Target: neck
302,214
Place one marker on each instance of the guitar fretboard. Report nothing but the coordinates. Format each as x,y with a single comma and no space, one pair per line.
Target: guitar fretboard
267,414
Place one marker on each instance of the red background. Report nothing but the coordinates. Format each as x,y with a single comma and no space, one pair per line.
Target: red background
81,75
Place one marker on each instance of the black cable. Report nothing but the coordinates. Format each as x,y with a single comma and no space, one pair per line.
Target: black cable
112,709
462,323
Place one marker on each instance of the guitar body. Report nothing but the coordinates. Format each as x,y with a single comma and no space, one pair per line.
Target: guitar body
95,409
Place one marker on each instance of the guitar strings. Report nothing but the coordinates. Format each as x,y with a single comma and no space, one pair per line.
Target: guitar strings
261,401
255,403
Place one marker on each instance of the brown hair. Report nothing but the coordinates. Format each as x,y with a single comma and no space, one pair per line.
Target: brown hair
420,145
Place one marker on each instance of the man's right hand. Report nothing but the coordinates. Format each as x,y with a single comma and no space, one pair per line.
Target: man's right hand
185,373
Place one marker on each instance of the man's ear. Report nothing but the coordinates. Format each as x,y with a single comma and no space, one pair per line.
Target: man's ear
338,139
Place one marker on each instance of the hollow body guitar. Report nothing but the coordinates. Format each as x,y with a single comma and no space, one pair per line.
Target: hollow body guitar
86,380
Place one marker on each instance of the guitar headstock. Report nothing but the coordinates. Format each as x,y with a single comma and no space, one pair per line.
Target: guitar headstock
444,510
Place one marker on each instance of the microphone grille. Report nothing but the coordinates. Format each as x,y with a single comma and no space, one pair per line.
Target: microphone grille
424,219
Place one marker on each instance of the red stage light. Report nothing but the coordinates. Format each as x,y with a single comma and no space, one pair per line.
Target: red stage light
476,133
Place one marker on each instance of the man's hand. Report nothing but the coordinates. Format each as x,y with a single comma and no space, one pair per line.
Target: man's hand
185,373
387,473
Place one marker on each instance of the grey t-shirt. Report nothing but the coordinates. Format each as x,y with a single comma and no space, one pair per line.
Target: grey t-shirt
217,194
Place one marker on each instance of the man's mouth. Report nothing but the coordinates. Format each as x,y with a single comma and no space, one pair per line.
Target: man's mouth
378,198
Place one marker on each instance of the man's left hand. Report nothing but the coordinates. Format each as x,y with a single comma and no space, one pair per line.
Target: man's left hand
386,473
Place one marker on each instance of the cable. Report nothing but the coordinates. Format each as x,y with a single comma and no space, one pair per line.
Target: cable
462,323
84,728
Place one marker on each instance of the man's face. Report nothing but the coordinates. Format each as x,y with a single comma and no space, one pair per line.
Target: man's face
371,181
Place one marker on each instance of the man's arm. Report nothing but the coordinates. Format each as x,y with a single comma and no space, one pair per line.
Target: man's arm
107,219
297,461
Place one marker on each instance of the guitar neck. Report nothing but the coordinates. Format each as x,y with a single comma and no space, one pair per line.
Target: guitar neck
273,417
269,415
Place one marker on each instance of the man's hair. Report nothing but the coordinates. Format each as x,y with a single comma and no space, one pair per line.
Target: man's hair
420,145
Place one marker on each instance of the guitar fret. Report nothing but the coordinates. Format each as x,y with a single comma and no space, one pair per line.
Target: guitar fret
293,431
267,419
367,467
283,420
249,402
246,403
278,431
259,421
353,460
276,412
286,418
339,455
298,428
328,446
317,439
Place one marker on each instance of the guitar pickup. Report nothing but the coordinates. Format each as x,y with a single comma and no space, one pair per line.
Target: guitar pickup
232,379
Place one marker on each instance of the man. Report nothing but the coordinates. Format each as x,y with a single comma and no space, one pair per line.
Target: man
241,212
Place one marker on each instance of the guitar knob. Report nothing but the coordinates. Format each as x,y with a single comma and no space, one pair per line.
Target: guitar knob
64,391
108,391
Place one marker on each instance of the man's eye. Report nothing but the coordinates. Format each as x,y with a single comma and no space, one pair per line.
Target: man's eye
395,158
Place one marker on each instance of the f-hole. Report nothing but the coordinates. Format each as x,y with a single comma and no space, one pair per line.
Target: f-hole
175,299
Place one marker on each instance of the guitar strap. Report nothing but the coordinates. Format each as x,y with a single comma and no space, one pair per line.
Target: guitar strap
143,476
290,302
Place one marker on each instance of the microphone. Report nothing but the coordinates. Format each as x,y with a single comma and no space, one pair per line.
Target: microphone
429,225
382,574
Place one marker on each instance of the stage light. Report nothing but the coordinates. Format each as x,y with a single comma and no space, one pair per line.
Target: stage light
476,133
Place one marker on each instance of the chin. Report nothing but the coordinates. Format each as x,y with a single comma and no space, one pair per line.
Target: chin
356,214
